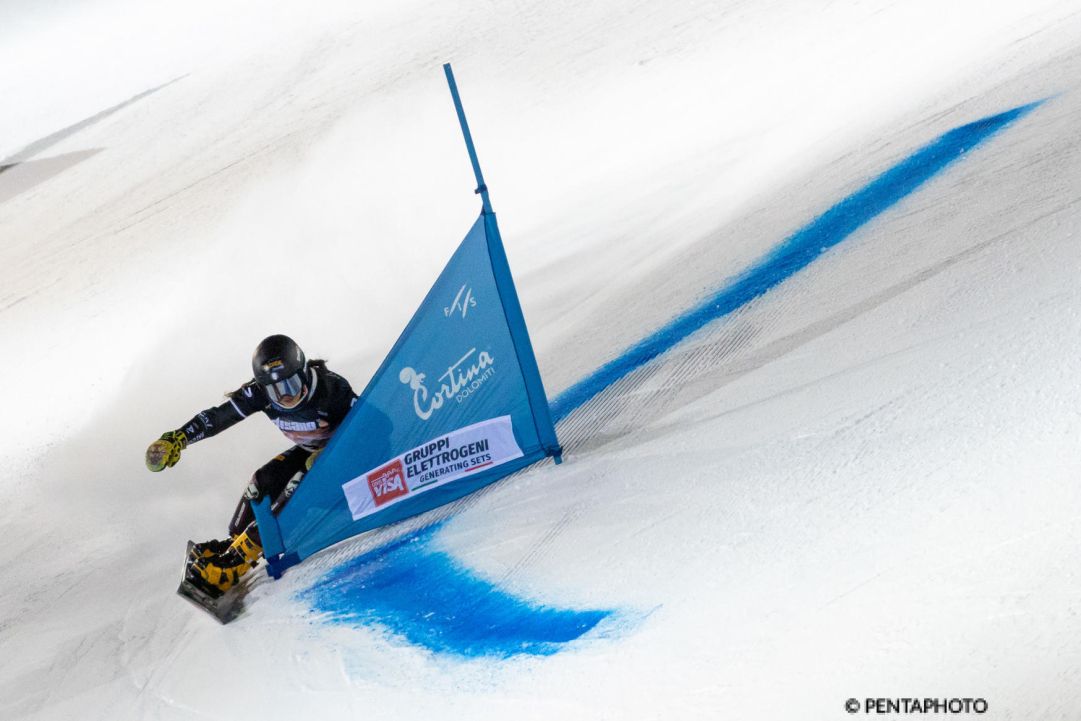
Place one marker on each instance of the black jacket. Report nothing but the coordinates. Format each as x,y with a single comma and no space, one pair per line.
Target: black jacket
310,425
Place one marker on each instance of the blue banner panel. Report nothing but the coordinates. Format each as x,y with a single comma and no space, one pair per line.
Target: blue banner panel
457,404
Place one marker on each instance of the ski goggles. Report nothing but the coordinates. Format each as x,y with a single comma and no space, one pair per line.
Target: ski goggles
288,392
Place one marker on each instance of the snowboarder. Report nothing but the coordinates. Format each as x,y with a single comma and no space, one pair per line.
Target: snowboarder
308,402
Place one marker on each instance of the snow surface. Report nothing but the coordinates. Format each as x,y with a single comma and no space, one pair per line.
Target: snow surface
862,484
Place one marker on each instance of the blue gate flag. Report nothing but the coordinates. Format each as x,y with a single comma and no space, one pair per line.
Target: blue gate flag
457,404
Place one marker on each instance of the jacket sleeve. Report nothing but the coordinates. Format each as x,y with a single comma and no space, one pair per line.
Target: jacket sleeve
242,403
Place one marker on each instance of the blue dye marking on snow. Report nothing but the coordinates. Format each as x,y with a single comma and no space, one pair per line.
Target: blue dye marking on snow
423,595
795,253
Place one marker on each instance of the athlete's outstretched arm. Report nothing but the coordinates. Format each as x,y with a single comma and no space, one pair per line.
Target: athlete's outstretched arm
165,452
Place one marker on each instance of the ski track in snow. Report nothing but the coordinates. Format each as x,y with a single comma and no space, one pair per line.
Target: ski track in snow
860,482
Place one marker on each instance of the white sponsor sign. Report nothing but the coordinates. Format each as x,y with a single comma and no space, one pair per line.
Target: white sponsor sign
441,460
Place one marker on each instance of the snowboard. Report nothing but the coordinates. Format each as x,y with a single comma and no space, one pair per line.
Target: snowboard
224,608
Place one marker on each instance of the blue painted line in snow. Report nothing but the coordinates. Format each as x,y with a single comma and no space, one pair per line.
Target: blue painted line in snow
424,596
795,253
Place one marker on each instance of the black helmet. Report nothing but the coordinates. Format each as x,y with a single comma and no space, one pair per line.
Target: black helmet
281,368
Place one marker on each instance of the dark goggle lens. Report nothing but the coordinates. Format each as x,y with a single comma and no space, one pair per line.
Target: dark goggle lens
286,392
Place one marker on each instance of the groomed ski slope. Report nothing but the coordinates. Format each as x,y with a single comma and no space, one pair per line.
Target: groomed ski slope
862,483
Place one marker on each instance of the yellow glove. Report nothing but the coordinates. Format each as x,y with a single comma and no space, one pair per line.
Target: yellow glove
165,452
311,460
